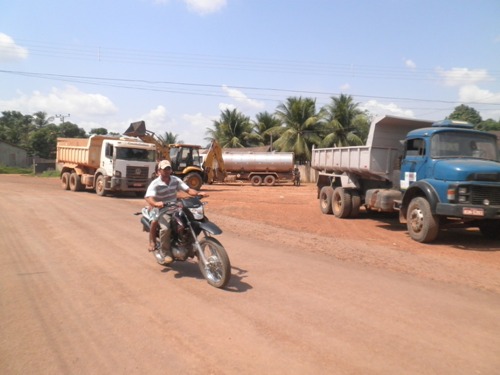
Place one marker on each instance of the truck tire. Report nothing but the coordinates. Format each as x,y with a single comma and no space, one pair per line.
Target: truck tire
422,225
75,183
269,180
341,203
193,180
356,203
65,180
325,200
490,229
100,185
256,180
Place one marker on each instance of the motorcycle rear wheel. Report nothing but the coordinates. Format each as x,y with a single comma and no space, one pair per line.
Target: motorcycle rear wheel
217,271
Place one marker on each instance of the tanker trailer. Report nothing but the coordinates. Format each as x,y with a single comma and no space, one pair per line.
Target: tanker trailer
266,168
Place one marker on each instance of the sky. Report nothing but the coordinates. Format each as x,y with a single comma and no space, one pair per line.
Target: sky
176,64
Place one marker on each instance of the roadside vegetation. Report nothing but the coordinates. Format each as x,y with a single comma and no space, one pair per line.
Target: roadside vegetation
27,171
296,125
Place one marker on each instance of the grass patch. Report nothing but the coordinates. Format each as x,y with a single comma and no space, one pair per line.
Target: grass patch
28,171
15,170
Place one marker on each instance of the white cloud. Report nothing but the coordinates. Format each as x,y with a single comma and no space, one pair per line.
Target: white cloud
463,76
204,7
474,94
241,98
379,109
10,51
345,87
410,64
67,100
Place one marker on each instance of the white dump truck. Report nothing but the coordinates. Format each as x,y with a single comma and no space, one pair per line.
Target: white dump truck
435,174
259,168
106,164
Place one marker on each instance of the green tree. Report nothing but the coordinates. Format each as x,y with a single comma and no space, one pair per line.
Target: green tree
300,128
233,130
99,131
40,119
343,121
70,130
15,128
488,125
263,122
169,138
465,113
43,141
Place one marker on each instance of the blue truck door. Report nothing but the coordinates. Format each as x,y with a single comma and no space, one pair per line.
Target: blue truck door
413,163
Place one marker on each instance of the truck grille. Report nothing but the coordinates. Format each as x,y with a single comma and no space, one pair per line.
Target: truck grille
137,174
480,193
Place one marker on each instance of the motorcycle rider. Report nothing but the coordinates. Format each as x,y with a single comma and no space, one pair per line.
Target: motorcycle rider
161,190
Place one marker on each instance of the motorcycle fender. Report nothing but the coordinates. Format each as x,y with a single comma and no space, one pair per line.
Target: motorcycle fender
208,226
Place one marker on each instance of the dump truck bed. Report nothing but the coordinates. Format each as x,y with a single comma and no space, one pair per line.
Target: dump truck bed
82,151
378,158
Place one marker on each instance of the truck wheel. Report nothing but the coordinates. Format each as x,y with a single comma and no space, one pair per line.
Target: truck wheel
100,185
75,183
422,225
193,180
256,180
269,180
65,180
325,200
490,229
341,203
356,203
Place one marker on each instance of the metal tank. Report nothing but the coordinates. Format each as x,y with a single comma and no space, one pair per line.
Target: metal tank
280,162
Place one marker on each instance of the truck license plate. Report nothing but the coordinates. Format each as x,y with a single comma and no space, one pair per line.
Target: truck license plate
138,185
473,211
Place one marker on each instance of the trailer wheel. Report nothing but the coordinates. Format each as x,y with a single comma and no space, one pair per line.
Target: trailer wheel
422,225
100,186
490,229
75,184
356,203
341,203
269,180
325,200
256,180
65,180
193,180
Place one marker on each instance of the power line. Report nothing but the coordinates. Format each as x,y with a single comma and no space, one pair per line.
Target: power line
201,89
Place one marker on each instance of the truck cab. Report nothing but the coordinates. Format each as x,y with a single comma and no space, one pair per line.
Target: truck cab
456,170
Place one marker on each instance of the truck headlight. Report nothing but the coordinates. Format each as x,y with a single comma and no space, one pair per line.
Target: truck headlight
463,194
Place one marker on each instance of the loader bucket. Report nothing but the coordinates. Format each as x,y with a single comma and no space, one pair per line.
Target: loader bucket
136,129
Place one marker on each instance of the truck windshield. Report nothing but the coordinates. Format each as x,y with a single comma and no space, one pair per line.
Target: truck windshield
454,144
135,154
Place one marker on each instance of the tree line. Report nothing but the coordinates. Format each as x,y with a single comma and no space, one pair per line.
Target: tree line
296,126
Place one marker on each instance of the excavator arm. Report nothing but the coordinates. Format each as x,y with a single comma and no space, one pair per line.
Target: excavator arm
138,129
214,172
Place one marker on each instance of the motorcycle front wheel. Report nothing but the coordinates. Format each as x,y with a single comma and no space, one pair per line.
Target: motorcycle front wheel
217,270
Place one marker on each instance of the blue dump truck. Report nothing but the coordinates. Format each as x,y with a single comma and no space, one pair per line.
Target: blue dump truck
435,174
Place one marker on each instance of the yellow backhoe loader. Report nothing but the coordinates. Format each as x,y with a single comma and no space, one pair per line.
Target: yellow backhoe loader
185,159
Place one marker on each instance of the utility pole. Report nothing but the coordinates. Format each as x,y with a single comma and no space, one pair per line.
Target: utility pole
62,117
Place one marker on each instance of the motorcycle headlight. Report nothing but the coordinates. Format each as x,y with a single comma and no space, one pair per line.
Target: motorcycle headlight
197,212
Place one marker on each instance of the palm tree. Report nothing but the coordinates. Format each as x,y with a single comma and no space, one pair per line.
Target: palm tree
300,127
233,130
341,118
169,138
263,122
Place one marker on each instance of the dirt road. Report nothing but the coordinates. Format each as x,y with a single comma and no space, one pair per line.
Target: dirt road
309,294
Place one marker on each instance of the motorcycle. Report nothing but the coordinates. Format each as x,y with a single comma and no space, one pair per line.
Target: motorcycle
188,221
